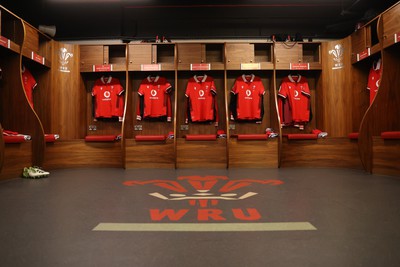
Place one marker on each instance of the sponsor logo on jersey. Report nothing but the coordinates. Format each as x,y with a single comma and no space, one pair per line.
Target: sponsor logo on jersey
248,95
107,96
153,94
201,95
296,95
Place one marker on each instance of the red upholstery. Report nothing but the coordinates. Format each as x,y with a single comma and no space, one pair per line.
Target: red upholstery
390,135
302,136
50,138
201,137
16,139
353,136
252,136
150,137
100,138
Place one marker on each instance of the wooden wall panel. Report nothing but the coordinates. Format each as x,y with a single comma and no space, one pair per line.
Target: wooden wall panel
386,157
81,154
31,40
253,154
391,25
150,154
140,54
190,53
327,152
336,97
359,40
16,157
66,101
90,55
201,154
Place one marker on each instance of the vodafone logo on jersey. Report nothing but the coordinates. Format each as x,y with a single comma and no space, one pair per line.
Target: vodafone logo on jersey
296,95
202,195
153,94
201,94
107,95
248,95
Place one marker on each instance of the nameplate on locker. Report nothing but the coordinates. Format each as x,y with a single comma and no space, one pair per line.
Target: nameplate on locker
201,66
4,42
250,66
150,67
37,58
364,54
299,66
102,68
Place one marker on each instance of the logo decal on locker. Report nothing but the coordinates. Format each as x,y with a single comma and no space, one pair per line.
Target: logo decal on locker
203,194
337,54
63,59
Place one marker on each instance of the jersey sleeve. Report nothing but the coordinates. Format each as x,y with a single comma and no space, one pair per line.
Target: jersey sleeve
305,90
213,88
283,91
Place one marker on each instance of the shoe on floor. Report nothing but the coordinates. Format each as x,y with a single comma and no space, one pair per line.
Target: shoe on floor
34,172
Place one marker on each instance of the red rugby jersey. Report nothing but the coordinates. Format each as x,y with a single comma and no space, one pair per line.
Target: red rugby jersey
201,93
374,79
295,90
249,92
29,83
156,98
108,101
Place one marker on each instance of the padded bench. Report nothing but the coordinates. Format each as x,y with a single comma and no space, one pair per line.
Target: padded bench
353,136
390,135
14,139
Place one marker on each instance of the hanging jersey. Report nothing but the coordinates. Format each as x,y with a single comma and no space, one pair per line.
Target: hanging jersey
29,84
108,101
285,114
297,93
155,98
201,93
374,79
247,98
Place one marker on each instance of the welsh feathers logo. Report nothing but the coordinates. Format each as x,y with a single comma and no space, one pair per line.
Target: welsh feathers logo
337,54
203,192
63,58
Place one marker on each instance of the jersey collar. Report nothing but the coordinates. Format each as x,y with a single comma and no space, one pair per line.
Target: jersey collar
292,80
149,78
105,79
245,80
377,65
202,80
